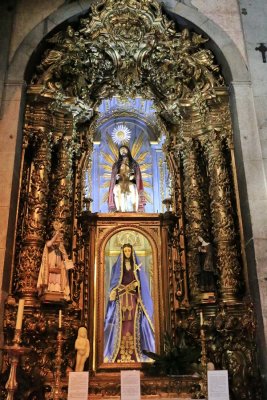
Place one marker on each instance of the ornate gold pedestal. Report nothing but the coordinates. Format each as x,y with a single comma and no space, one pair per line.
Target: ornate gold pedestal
53,297
169,387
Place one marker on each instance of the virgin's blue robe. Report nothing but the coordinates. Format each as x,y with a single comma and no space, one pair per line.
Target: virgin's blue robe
144,338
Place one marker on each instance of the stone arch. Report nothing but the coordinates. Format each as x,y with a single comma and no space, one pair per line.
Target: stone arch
235,66
82,67
238,74
24,52
47,124
228,55
235,69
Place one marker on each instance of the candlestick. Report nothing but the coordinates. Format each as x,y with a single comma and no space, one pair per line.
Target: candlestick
60,319
20,314
167,202
14,352
203,355
57,392
201,318
87,203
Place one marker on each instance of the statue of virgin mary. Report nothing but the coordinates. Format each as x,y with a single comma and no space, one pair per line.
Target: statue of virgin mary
126,190
128,327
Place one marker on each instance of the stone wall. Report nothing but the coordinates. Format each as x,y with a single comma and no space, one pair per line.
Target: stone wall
227,16
235,30
254,16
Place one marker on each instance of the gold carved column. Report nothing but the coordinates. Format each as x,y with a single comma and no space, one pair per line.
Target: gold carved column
38,123
195,210
176,246
61,184
81,207
223,224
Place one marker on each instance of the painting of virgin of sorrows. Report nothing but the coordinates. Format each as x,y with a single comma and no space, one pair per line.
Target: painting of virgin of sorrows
128,326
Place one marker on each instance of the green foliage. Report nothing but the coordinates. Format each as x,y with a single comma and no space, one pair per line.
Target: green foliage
178,359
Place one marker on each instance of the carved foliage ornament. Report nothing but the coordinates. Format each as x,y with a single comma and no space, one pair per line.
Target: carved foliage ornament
128,47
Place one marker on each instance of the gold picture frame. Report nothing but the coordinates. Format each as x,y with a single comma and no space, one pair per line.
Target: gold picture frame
103,228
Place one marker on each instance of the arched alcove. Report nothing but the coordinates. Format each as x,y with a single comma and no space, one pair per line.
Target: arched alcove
192,109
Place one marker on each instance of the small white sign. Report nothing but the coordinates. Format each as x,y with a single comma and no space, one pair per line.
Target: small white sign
130,385
78,386
218,387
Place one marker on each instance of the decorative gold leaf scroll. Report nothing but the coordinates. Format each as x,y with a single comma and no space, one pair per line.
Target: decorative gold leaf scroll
127,48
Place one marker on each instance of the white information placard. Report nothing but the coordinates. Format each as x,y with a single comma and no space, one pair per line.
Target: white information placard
218,387
130,385
78,385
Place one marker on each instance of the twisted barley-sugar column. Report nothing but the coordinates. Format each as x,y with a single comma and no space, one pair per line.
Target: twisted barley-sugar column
175,238
82,227
222,220
194,208
36,216
61,191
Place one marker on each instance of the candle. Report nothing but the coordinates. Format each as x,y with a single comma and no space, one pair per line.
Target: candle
60,319
20,314
201,318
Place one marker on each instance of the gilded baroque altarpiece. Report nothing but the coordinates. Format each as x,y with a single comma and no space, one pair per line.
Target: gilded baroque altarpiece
130,49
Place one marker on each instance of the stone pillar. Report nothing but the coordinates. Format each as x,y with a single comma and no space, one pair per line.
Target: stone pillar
36,215
253,198
223,225
10,149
